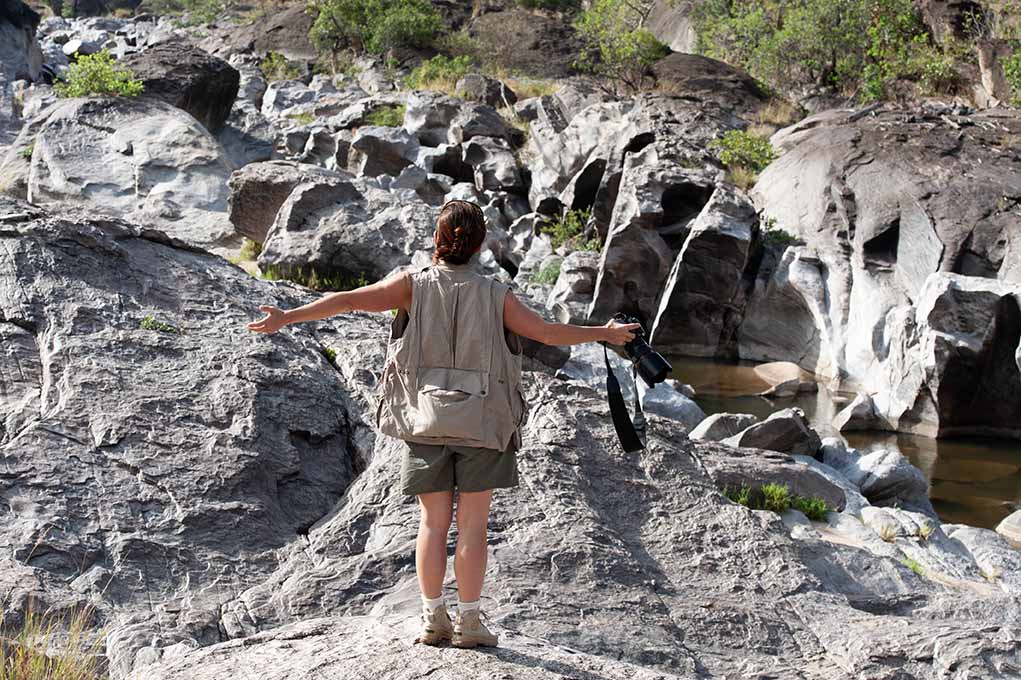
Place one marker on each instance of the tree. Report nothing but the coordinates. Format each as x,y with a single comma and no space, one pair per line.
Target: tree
373,25
617,47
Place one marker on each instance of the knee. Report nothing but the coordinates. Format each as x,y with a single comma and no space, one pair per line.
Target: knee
436,521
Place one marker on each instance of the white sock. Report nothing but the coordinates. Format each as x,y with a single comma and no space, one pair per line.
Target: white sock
430,605
463,606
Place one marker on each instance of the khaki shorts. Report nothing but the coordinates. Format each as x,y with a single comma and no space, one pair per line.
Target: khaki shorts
426,468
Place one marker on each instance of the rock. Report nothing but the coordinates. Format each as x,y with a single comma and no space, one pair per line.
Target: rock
853,500
247,136
347,228
835,454
703,296
672,24
476,121
572,293
880,231
381,151
860,414
720,426
264,434
20,55
522,41
734,468
282,96
137,158
495,166
693,75
476,87
998,561
785,379
188,78
1010,528
284,31
785,430
926,548
77,47
258,190
887,478
428,116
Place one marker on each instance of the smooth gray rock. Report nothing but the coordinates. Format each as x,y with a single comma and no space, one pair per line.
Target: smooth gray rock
887,478
785,430
572,293
734,468
495,166
1010,528
998,561
720,426
379,150
138,158
860,414
259,189
485,90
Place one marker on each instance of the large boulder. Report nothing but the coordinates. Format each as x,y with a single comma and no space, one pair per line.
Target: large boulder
887,478
572,293
787,430
348,228
693,75
895,223
20,55
379,150
137,158
186,77
494,163
720,426
284,31
702,300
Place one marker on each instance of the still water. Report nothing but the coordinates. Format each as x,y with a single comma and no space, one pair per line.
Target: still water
975,481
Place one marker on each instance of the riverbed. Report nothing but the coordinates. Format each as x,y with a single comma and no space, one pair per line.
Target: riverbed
972,480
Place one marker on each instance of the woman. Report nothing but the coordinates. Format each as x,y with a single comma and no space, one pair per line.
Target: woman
442,337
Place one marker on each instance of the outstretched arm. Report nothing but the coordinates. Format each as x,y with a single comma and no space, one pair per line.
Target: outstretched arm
523,321
391,293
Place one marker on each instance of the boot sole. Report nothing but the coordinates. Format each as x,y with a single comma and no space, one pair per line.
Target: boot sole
432,639
470,644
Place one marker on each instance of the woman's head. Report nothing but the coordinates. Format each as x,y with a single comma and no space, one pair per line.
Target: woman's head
460,231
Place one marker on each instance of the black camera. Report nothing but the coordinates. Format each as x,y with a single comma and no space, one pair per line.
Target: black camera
650,364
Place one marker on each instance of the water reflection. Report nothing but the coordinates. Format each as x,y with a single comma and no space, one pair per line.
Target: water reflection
972,480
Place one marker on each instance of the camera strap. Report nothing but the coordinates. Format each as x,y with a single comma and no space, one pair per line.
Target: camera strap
629,439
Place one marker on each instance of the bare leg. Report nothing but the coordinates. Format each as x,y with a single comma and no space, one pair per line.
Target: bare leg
470,556
431,546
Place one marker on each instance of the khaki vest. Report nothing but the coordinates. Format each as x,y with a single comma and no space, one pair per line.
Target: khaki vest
453,372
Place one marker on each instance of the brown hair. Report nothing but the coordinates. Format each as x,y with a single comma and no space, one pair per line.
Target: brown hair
460,229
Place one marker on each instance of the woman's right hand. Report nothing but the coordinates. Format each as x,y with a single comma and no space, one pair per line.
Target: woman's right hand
620,333
271,323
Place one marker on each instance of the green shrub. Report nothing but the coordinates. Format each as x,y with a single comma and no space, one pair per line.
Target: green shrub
52,646
741,496
250,249
548,275
1012,72
27,151
741,148
567,229
857,46
387,116
616,48
554,5
330,354
67,9
275,66
373,25
775,497
97,74
773,236
440,73
150,323
814,508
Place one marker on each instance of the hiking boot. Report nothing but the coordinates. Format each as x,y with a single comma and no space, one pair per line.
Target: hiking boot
469,631
436,627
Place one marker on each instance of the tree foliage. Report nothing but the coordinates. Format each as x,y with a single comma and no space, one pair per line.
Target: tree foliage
373,26
617,47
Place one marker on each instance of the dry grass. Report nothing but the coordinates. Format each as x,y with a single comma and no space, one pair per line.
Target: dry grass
779,113
742,177
52,646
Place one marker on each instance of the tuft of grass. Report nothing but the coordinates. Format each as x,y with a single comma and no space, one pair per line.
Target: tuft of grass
913,565
887,532
387,116
150,323
330,354
741,496
778,112
312,278
440,73
250,249
303,118
814,508
926,531
776,497
744,154
51,646
548,275
742,177
275,66
27,151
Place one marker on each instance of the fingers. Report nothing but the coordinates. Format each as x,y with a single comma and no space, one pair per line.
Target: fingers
266,308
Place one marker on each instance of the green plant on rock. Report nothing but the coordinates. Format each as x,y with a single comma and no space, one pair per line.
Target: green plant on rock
387,116
250,249
373,26
567,229
616,46
97,74
913,565
814,508
150,323
1012,72
311,277
773,236
275,66
554,5
67,9
547,275
27,151
775,497
440,73
741,148
330,354
741,495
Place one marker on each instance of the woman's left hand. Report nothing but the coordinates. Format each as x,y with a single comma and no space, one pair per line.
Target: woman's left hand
271,323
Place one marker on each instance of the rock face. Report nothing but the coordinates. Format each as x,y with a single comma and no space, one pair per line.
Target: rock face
693,75
896,212
188,78
785,430
140,158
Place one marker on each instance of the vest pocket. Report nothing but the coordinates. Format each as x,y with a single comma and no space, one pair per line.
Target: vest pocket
451,403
